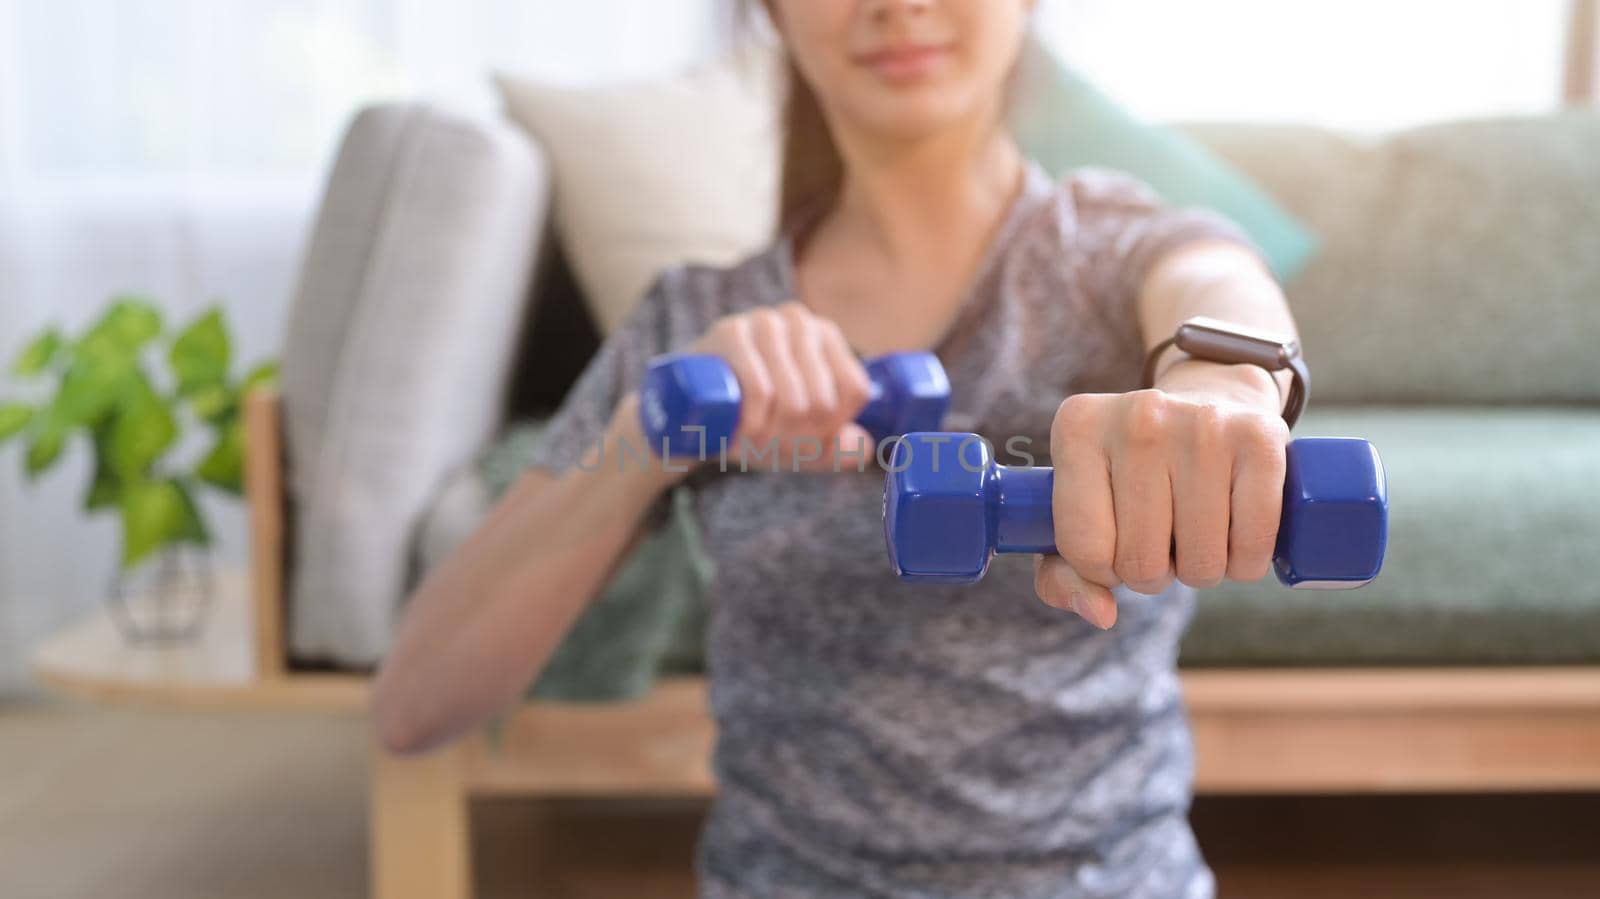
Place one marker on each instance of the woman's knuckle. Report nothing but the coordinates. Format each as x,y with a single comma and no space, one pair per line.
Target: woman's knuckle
1203,569
766,320
1146,421
1259,433
1086,544
796,314
795,409
1207,424
1248,567
1136,567
1074,418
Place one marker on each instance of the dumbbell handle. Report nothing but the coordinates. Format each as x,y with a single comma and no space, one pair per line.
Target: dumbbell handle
1024,509
685,393
1024,503
1341,549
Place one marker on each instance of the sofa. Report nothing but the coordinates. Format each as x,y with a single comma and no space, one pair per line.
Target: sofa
1448,317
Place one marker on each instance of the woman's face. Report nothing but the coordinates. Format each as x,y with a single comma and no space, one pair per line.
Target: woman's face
904,69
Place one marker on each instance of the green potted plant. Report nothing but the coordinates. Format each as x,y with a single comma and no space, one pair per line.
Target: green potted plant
101,385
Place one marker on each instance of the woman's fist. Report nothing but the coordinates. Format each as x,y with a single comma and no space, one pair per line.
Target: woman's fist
1152,486
801,388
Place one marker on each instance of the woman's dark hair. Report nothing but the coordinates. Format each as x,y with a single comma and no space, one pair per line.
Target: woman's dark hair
811,170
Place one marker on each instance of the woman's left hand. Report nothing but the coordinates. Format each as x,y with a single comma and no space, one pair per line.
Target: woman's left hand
1156,484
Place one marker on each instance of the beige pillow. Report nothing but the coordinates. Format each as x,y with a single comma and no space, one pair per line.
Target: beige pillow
653,175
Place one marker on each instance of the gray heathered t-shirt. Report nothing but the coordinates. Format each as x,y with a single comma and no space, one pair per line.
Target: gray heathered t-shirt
881,739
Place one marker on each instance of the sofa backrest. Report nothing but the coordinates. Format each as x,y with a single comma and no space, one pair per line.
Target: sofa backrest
1460,262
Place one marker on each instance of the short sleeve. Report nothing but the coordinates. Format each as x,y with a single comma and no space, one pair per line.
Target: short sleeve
617,367
1124,229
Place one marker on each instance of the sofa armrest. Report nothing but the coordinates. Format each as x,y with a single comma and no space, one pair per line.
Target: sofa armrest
400,348
264,497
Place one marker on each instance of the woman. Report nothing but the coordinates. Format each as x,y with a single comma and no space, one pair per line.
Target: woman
876,738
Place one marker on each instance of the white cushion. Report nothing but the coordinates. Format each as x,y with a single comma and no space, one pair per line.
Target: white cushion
658,174
400,342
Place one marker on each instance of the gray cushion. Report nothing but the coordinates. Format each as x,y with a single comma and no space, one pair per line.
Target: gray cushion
1458,261
1494,522
400,342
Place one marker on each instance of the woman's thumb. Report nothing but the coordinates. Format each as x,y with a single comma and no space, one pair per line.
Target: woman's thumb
1058,585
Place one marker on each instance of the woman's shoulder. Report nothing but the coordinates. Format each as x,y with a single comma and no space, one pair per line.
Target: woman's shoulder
1112,216
1084,196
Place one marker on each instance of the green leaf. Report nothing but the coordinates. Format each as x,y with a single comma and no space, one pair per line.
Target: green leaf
265,373
213,404
224,466
97,378
104,491
142,430
106,488
44,451
154,514
128,324
14,417
191,529
200,355
38,354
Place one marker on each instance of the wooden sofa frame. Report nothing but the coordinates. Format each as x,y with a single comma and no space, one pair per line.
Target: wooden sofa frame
1256,731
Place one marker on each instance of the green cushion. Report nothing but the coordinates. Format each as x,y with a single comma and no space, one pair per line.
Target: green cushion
1495,514
1494,521
1064,122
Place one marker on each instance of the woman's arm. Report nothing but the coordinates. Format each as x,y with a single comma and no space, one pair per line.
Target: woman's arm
1182,481
484,621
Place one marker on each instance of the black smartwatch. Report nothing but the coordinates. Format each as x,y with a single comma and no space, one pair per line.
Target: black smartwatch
1220,341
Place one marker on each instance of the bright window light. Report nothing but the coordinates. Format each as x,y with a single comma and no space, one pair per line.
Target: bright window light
1360,64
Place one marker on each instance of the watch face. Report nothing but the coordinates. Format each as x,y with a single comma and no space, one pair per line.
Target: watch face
1220,341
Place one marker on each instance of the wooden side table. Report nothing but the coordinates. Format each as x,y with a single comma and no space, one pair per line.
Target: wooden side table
91,660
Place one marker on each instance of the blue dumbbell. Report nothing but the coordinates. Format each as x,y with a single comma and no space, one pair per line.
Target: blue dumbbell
948,508
684,393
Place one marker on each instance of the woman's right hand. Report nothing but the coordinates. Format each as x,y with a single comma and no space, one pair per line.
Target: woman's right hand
802,387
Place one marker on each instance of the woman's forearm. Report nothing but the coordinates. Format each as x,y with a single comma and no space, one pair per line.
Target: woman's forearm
483,623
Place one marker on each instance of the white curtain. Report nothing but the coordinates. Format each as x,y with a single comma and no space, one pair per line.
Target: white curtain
176,147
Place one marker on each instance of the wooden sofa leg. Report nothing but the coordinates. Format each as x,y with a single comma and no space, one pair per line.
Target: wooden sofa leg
419,829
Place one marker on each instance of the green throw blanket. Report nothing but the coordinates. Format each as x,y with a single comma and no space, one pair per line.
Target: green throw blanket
651,618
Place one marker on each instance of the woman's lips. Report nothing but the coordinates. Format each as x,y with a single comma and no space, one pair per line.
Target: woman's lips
899,65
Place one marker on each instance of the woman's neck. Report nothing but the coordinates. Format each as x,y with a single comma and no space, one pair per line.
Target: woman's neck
929,199
893,259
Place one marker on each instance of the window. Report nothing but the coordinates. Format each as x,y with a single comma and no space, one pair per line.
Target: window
1362,64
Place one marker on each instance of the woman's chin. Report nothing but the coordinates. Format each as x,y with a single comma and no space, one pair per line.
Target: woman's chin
913,126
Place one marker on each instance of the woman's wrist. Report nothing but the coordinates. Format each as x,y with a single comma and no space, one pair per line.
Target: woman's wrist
627,450
1243,383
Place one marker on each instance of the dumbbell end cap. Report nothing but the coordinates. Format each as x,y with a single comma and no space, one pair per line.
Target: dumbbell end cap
1335,526
914,395
935,519
685,396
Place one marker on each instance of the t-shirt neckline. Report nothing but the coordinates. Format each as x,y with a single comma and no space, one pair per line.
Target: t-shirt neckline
1036,184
